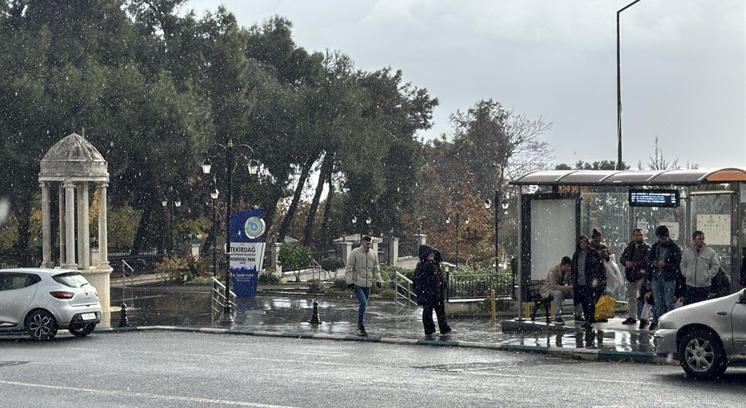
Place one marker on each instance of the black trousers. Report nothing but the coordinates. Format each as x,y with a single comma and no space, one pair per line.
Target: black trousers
586,296
427,317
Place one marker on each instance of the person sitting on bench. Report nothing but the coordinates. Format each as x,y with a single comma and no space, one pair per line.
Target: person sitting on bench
559,286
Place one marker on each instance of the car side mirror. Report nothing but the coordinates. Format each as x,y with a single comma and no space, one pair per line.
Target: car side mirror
742,298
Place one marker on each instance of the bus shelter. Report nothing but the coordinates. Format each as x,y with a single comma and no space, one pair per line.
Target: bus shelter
556,206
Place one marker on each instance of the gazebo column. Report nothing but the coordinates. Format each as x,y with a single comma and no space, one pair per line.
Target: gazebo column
103,252
46,230
70,224
61,212
84,235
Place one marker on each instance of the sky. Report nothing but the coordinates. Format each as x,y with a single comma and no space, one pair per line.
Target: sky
683,70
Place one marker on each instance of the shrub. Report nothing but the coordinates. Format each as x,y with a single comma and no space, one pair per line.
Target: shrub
315,285
295,257
332,263
268,278
340,283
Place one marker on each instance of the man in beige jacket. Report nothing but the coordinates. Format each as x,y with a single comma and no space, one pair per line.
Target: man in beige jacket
361,272
558,286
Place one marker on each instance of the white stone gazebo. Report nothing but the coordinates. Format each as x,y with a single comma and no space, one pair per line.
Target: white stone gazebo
71,165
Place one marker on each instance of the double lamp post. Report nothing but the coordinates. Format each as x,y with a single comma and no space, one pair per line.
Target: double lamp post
228,151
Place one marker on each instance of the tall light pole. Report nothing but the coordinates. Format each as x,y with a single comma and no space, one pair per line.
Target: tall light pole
214,195
619,89
253,167
173,199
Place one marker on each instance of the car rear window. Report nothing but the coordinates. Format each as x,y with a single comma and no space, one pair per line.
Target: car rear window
71,279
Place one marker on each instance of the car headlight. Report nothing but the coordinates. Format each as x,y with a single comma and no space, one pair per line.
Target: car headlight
667,324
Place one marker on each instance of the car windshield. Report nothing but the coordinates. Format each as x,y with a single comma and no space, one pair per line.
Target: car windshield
71,279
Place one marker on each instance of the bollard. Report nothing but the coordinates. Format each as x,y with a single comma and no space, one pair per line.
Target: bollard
315,314
493,322
123,322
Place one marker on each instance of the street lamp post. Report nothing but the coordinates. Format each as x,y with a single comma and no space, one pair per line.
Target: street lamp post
504,204
214,195
253,167
170,198
458,223
619,89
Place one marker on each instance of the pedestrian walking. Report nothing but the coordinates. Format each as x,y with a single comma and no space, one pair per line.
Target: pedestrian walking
589,278
699,264
665,263
559,286
361,272
635,261
431,286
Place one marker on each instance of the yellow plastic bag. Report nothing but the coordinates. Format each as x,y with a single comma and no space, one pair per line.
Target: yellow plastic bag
605,307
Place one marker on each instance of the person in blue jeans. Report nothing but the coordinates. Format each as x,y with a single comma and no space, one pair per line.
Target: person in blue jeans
361,272
664,260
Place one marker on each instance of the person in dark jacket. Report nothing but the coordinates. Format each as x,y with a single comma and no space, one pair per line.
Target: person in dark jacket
430,286
664,260
589,278
719,285
635,262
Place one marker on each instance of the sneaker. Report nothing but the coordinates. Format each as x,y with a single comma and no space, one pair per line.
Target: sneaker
361,331
429,335
446,331
643,324
653,326
558,320
630,320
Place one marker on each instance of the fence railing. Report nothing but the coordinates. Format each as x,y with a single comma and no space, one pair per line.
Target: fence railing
217,299
404,288
462,286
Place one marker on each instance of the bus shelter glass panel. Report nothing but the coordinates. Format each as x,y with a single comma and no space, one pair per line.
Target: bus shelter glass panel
606,211
711,214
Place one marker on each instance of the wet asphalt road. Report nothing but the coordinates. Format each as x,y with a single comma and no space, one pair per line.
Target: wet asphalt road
167,369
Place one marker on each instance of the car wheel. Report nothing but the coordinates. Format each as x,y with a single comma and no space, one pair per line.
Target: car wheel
82,331
701,355
41,325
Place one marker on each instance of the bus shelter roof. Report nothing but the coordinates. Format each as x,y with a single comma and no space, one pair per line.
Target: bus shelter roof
611,178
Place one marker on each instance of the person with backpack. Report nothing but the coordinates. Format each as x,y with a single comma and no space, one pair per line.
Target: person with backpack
665,261
635,262
431,286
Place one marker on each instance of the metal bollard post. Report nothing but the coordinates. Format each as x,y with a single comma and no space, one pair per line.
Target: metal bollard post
315,314
493,322
123,321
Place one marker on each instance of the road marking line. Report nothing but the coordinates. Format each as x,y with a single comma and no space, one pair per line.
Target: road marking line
538,377
144,395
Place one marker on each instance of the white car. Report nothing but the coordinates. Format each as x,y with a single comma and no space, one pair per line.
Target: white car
705,337
41,301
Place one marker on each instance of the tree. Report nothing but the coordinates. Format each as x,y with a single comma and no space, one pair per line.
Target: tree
295,257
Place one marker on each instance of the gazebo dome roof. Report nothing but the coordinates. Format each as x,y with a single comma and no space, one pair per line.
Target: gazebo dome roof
75,158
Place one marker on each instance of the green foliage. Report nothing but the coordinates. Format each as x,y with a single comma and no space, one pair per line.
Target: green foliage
122,223
340,284
387,270
182,270
268,278
295,257
332,263
316,286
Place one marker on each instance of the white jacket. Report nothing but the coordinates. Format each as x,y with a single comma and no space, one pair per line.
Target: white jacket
699,267
362,268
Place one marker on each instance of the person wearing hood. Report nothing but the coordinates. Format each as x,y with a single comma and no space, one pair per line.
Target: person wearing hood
430,286
664,260
589,278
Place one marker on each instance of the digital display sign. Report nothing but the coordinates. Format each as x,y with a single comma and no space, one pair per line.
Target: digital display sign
654,198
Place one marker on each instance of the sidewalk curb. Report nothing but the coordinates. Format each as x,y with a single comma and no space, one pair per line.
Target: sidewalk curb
567,353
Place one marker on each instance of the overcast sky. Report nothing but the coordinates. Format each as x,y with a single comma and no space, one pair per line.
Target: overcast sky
683,70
